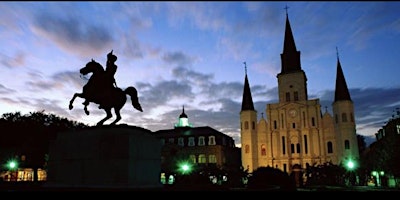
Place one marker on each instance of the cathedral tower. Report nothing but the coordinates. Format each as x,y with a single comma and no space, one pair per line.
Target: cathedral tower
248,131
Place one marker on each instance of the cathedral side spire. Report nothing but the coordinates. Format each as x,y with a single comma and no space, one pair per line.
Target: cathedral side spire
247,100
341,90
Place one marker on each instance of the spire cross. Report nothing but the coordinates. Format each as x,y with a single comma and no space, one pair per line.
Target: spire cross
286,8
337,53
326,108
245,67
262,115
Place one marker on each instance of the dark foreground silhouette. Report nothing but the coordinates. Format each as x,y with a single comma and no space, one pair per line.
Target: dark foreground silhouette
100,90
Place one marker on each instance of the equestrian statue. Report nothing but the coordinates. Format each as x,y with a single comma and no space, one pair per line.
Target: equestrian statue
103,90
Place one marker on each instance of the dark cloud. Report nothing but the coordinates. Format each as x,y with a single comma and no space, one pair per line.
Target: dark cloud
178,59
163,92
6,91
191,76
69,77
72,33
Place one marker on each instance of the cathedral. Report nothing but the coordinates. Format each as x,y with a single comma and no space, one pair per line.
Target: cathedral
295,132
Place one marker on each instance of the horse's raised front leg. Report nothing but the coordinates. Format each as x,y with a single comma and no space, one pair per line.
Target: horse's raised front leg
86,103
109,115
118,116
73,99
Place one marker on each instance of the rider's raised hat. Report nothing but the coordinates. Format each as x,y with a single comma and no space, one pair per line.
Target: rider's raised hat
111,56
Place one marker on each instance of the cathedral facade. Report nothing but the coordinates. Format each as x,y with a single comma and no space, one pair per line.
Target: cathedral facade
295,131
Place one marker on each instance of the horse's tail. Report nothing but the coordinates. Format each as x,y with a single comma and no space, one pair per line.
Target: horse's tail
131,91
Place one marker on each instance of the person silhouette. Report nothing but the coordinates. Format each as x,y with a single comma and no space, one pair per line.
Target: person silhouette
111,68
110,83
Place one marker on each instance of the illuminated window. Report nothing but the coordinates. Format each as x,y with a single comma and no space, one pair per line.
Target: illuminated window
201,141
192,158
202,158
211,140
191,141
212,159
398,129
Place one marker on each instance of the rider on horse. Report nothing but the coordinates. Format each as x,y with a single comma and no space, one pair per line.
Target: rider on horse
108,80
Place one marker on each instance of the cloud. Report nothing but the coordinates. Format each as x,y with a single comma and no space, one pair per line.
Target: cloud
17,60
6,91
73,34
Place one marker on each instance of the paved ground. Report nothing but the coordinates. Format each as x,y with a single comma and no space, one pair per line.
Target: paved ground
29,186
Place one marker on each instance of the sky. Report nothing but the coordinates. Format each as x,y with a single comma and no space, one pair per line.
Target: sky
192,54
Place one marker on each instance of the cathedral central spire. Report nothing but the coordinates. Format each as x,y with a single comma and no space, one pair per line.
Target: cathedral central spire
290,58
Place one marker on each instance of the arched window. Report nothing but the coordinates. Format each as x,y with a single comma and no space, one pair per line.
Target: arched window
201,141
247,149
202,158
192,158
212,158
344,117
346,144
263,150
330,147
211,140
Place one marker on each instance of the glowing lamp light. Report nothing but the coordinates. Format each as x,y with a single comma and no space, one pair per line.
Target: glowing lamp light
12,164
185,168
350,165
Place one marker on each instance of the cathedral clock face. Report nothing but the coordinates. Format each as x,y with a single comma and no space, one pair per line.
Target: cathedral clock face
292,113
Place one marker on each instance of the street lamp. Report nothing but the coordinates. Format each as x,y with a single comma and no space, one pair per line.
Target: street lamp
185,167
12,166
350,165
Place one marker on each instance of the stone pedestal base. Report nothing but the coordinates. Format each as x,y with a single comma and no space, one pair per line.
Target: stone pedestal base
105,157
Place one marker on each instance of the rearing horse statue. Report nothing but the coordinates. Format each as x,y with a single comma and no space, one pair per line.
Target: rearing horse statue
98,91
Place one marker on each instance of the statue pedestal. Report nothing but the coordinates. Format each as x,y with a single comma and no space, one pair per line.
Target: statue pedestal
105,157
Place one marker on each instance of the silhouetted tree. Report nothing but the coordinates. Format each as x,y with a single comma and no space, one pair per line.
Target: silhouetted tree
27,137
268,178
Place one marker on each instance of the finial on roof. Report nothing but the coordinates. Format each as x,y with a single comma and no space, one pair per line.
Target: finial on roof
337,53
286,8
245,67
